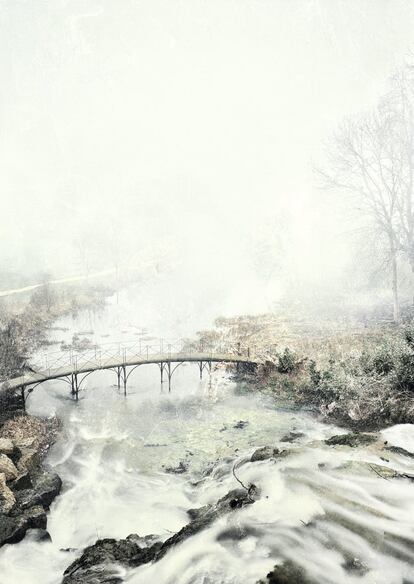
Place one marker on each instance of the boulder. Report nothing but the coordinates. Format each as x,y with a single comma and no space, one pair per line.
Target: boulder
399,450
267,452
23,481
29,460
8,468
352,439
292,436
96,564
45,488
6,446
7,499
13,527
286,573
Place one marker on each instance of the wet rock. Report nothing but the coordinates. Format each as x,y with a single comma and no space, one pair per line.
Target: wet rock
13,528
355,566
40,535
287,573
6,446
95,564
267,452
399,450
8,468
240,424
98,559
101,574
204,516
352,439
23,481
143,541
29,460
45,488
7,499
180,469
292,436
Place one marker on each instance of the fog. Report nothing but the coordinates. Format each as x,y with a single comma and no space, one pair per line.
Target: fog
185,134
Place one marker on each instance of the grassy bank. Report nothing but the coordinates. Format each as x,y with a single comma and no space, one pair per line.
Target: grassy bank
360,375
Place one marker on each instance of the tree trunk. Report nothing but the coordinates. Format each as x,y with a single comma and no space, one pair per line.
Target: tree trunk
394,269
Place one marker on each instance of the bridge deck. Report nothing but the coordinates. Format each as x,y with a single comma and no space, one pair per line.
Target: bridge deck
121,361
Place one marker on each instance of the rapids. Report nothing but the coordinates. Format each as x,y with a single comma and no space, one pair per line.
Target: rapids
323,507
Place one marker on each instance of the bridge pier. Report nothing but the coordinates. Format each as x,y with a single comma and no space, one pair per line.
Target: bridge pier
125,378
169,375
204,365
74,386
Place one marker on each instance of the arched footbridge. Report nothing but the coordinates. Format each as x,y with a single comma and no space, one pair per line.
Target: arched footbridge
74,366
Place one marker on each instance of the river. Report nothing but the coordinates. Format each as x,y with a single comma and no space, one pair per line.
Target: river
321,506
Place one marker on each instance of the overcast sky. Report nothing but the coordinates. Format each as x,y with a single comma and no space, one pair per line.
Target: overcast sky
190,126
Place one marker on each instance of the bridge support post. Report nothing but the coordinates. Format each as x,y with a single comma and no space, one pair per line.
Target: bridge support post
201,370
162,372
76,387
169,375
118,376
125,379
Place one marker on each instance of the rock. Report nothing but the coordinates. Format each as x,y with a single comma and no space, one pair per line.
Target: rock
29,460
45,488
240,424
292,436
23,481
40,535
23,443
97,559
352,439
7,467
7,499
287,573
96,563
355,566
399,450
6,446
13,527
180,469
204,516
267,452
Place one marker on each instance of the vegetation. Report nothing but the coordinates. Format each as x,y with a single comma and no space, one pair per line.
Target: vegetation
370,160
24,326
360,375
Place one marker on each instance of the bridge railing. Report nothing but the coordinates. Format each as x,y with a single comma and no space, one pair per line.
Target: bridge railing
106,353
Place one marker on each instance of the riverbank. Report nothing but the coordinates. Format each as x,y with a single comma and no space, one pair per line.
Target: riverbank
27,485
357,375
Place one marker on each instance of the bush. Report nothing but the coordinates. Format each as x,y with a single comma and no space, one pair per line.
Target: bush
288,362
404,373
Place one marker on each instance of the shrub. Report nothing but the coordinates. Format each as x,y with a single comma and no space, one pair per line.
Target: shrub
288,362
404,373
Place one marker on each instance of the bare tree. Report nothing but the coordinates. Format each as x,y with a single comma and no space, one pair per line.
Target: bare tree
401,101
365,162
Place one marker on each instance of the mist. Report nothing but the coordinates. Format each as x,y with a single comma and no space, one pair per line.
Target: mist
184,134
